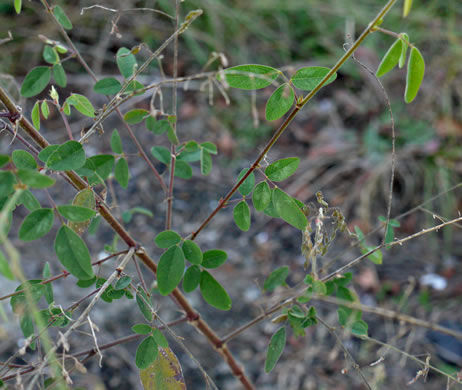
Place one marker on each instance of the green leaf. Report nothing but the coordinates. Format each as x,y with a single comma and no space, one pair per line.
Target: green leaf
116,142
162,154
4,159
402,58
126,62
103,164
36,224
23,159
146,353
282,169
158,127
121,172
5,269
192,278
48,289
172,137
135,116
29,201
167,238
27,326
67,156
107,86
213,293
319,287
307,79
62,18
19,303
86,283
45,110
84,198
50,55
17,6
183,170
160,338
36,81
34,179
73,253
250,76
141,329
276,278
170,270
275,349
241,215
206,162
261,196
123,282
35,115
47,152
280,102
407,7
6,184
271,209
133,87
375,257
143,303
390,59
359,328
288,209
415,75
76,213
81,104
213,258
59,75
247,186
192,252
209,147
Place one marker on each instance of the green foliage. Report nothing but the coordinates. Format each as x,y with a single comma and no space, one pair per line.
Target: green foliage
143,303
170,270
213,293
192,252
261,196
288,210
214,258
247,186
249,77
81,104
275,349
116,142
76,213
142,329
5,269
192,278
33,179
307,79
73,253
135,116
241,215
280,102
146,353
107,86
36,81
162,154
122,173
66,157
276,278
167,238
415,75
23,159
36,224
59,75
61,17
390,59
126,62
282,169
